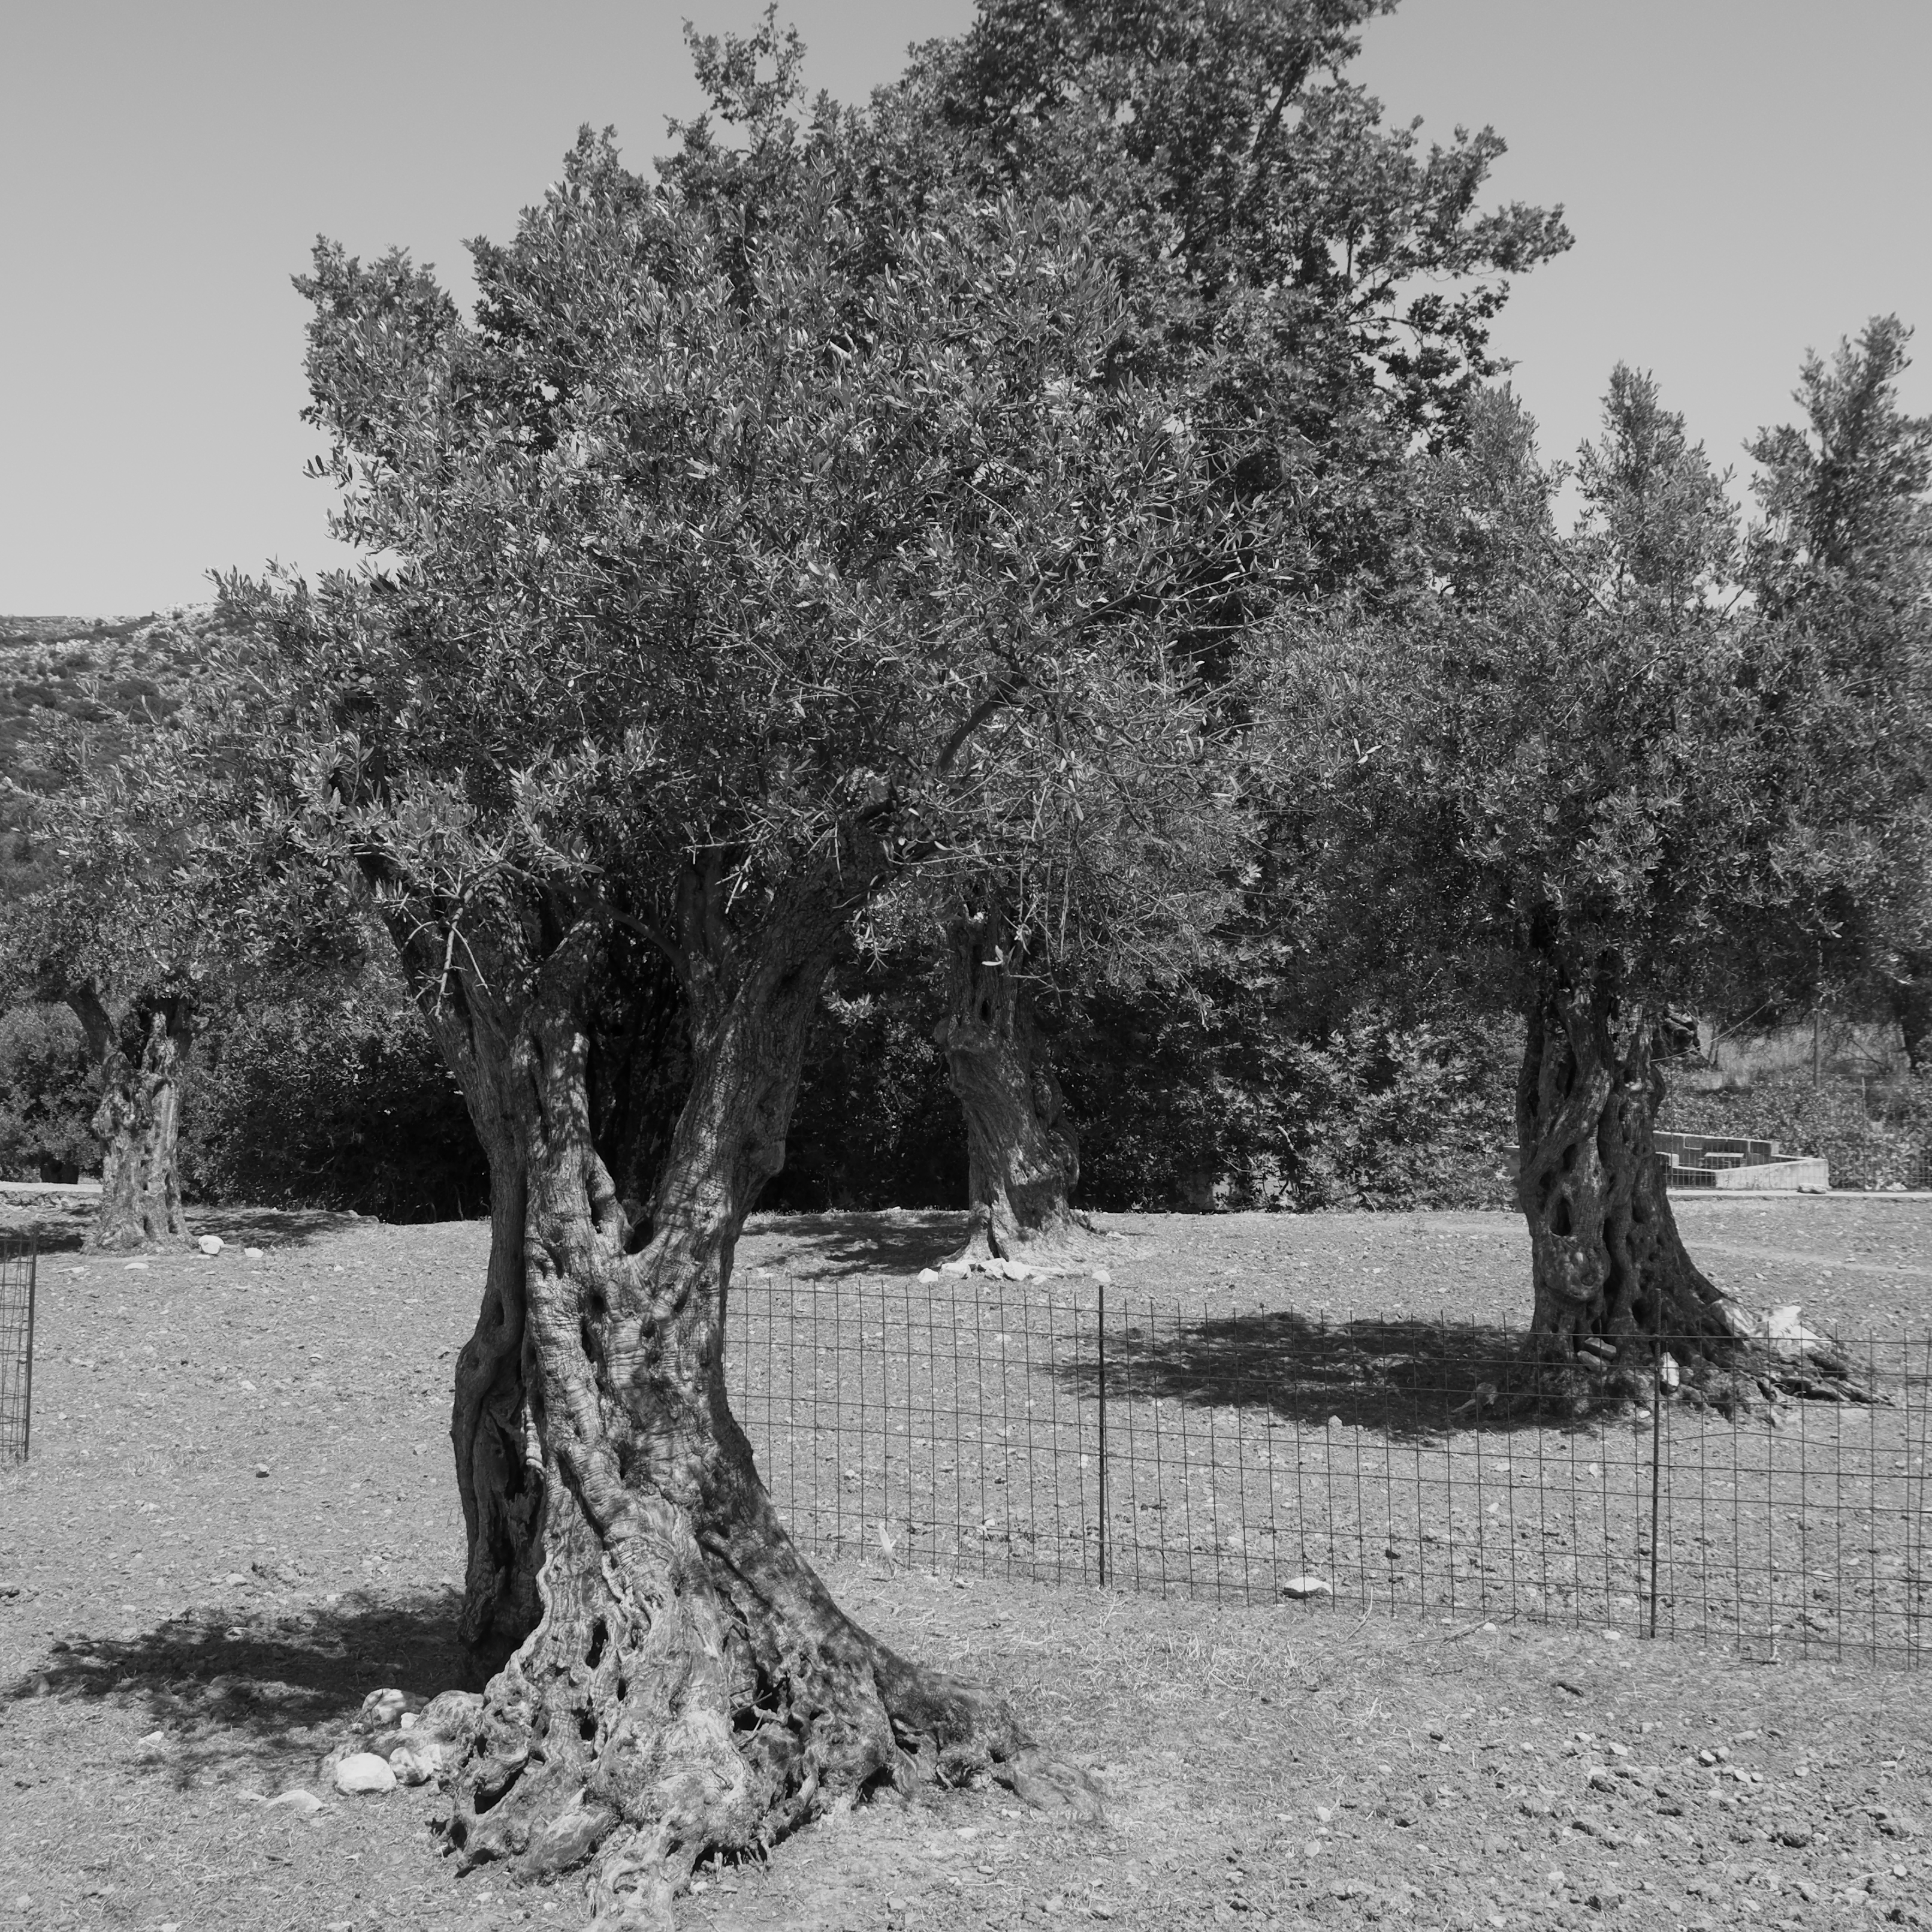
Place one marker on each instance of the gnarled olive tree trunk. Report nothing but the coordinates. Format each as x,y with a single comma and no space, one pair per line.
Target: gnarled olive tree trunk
636,1073
500,1473
138,1121
1023,1155
1613,1279
689,1683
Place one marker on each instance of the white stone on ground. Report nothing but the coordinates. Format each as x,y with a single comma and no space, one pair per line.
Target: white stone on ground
210,1244
361,1772
416,1763
1299,1587
303,1804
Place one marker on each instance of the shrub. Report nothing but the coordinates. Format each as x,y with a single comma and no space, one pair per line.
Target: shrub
1179,1108
46,1098
338,1100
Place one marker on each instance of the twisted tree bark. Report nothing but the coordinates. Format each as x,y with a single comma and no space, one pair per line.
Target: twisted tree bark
1023,1155
688,1683
138,1121
1613,1279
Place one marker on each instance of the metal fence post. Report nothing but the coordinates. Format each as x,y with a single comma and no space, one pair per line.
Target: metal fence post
33,1277
1100,1336
1656,1455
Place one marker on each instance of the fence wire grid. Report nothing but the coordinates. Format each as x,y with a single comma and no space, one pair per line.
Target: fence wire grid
18,1268
1049,1430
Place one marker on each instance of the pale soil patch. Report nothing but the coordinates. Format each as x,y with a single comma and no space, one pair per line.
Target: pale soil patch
1218,1733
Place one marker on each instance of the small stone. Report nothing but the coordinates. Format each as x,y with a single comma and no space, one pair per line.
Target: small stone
211,1244
1299,1588
452,1716
253,1254
1104,1276
381,1708
261,1468
928,1276
1796,1836
361,1772
415,1763
235,1576
303,1804
142,1265
154,1741
955,1268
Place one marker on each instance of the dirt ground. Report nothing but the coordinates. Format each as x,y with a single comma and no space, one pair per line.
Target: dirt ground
238,1519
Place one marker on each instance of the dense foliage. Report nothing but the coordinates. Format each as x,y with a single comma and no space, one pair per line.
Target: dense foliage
46,1099
331,1096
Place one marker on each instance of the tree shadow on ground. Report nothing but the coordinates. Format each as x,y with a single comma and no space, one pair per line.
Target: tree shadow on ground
259,1695
61,1228
286,1227
897,1243
1403,1378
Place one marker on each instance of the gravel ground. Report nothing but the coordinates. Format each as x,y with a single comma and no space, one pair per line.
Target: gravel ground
239,1519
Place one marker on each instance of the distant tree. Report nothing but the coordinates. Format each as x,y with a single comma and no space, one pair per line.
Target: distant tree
739,575
1341,285
99,917
1843,561
1554,767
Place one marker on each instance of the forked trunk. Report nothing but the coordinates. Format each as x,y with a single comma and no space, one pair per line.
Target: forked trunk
137,1124
1613,1280
690,1685
1023,1156
499,1467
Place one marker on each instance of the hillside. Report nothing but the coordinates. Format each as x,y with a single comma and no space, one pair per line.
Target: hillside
101,671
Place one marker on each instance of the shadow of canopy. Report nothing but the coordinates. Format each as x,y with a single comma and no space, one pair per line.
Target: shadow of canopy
1404,1377
265,1697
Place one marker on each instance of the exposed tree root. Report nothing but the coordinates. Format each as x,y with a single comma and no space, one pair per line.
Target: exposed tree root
689,1686
649,1720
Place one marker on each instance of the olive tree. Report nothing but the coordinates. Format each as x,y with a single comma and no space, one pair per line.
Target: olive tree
1842,561
1571,765
727,576
100,912
1342,277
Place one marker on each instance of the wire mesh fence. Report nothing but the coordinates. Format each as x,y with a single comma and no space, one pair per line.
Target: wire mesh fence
18,1268
1046,1429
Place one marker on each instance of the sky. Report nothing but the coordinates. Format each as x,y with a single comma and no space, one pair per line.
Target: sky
1745,178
